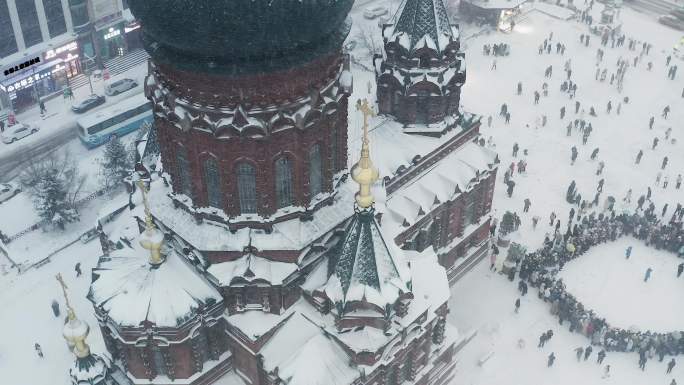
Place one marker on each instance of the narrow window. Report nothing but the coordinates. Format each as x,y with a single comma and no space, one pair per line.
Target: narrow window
246,175
183,165
212,181
283,170
315,177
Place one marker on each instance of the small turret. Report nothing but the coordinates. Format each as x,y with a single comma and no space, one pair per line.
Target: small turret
151,239
363,172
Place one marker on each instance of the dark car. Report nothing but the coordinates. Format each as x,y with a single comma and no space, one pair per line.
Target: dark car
88,103
672,21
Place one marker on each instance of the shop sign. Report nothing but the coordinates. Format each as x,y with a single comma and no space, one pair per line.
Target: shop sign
112,33
49,54
21,66
28,81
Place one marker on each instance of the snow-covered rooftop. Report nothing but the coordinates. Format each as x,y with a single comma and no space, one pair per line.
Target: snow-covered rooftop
305,355
251,267
293,234
132,291
367,268
422,23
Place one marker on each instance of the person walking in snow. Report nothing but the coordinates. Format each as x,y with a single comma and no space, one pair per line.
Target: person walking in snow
648,274
515,149
606,372
77,268
493,65
599,170
673,382
535,220
587,352
628,252
601,356
680,269
639,155
573,157
519,88
664,164
527,203
551,359
666,180
655,143
670,365
38,349
517,305
55,308
679,182
594,153
666,111
552,218
578,352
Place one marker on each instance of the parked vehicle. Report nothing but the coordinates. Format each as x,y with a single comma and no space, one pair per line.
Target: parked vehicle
672,21
8,190
88,103
18,131
120,86
372,13
126,116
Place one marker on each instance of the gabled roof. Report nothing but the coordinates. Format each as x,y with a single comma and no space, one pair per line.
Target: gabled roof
365,267
425,22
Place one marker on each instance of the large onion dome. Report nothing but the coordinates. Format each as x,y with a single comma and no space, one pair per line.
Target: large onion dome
240,35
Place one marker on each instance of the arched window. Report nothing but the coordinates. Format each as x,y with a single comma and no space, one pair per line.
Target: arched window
183,171
283,182
212,182
315,177
422,105
246,175
159,362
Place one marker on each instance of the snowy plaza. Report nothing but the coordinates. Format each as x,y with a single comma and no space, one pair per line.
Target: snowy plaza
502,347
617,291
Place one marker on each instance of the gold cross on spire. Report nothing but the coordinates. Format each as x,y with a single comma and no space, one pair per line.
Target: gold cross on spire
149,225
70,310
363,172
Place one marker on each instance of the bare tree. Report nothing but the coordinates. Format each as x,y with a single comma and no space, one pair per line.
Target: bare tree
369,39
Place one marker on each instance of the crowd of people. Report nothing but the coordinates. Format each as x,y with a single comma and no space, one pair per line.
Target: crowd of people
539,269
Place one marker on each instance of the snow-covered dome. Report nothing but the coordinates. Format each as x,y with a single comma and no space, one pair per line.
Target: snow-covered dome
131,291
89,370
206,34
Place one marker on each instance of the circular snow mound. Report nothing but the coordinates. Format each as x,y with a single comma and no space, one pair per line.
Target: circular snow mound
614,288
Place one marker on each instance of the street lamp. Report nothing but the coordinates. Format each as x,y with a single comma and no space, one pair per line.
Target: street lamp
87,73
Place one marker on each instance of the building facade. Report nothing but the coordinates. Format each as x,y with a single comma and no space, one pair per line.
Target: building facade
45,43
269,260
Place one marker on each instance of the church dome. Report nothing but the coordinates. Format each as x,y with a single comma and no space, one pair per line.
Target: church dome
210,34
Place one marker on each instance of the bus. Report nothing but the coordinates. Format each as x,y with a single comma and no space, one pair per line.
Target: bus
126,116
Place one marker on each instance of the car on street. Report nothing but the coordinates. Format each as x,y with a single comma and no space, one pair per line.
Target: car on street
672,21
8,190
88,103
372,13
120,86
18,131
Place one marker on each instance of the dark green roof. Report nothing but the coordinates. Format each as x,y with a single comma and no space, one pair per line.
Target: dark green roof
423,17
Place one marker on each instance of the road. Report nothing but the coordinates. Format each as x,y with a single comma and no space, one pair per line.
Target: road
10,162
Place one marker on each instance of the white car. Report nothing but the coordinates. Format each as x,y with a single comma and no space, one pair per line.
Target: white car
18,131
372,13
120,86
8,190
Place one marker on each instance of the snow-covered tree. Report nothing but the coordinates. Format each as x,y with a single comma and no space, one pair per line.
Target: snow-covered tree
116,163
516,252
54,185
508,224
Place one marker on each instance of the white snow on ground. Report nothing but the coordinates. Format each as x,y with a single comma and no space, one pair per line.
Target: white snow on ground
482,301
614,287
